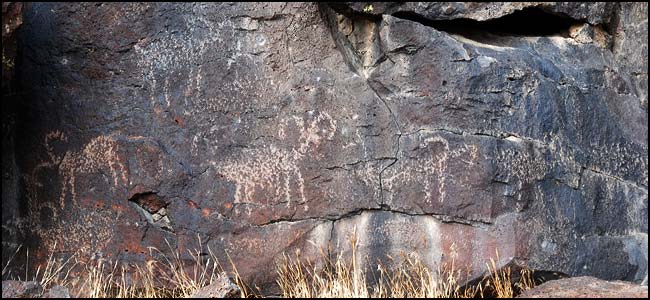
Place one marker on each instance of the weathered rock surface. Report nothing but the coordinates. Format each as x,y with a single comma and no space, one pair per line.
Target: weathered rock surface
32,289
223,287
586,287
271,128
593,13
56,291
21,289
12,19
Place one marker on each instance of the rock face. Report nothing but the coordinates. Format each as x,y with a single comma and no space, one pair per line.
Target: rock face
11,21
586,287
438,129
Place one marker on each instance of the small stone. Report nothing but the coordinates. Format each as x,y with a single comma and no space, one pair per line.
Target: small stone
165,223
162,211
156,217
223,287
582,33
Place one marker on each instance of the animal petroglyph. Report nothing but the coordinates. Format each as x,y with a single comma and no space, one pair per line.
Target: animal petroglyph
101,153
272,175
98,155
431,171
32,180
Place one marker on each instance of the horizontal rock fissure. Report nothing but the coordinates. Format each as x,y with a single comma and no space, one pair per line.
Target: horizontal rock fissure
440,217
498,135
529,21
359,162
600,173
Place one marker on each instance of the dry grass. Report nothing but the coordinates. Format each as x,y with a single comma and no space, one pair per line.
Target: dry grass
408,278
411,278
340,278
501,282
173,277
164,277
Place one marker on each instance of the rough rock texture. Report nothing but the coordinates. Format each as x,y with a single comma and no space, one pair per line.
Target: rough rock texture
21,289
223,287
32,289
57,291
586,287
11,21
451,130
592,13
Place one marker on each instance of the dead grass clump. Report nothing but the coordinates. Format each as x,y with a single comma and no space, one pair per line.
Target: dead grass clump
501,282
339,278
408,278
163,277
171,276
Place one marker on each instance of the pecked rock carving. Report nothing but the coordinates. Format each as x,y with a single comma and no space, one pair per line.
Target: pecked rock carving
429,128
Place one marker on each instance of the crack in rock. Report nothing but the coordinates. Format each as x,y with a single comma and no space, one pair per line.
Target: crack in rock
440,217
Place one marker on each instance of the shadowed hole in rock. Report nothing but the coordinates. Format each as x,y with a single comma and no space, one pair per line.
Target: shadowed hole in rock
530,22
153,209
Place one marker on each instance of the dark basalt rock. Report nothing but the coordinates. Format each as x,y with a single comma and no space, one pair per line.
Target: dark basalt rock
271,128
32,289
586,287
21,289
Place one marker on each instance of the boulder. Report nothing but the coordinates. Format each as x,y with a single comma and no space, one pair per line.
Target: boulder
586,287
21,289
223,287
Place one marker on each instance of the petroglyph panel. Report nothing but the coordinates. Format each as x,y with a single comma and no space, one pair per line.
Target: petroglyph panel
268,127
283,180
